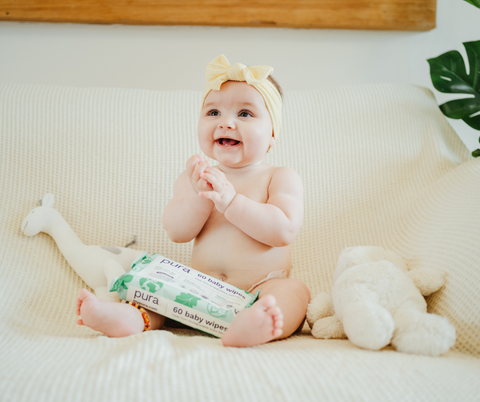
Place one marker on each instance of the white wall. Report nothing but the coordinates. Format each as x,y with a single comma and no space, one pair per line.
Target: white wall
161,57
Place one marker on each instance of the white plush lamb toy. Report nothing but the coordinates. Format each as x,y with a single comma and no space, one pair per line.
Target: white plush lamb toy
376,301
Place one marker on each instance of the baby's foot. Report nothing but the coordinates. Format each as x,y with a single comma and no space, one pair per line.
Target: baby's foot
113,319
260,323
40,218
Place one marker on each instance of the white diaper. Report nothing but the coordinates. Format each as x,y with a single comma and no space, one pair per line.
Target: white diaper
272,275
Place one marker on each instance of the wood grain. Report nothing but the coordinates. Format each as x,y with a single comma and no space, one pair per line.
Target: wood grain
405,15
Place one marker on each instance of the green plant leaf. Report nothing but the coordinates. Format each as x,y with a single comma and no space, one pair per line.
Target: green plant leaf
449,75
476,153
187,299
476,3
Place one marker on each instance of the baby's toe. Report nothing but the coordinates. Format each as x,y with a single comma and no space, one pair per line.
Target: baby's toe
275,313
78,306
267,302
83,294
277,332
277,318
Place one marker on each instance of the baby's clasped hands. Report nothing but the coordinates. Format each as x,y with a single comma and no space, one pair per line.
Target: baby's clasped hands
210,183
223,191
196,166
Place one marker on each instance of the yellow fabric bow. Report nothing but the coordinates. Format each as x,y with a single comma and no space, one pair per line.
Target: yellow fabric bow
219,71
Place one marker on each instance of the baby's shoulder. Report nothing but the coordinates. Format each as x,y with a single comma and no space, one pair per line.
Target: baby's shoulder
285,180
284,173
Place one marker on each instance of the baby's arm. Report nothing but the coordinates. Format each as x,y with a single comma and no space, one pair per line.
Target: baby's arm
186,212
275,223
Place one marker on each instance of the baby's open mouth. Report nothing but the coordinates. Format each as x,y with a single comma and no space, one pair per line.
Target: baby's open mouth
227,142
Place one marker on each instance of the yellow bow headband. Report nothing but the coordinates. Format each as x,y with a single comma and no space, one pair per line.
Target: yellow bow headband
220,71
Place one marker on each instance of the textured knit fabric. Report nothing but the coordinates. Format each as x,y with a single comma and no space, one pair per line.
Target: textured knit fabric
380,166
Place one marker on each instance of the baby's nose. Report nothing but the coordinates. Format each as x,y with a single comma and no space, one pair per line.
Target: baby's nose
226,124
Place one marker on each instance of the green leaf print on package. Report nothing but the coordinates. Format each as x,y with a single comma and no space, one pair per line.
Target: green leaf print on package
216,312
121,283
141,265
150,285
187,299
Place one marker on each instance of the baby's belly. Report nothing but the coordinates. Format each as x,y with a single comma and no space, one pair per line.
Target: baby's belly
233,257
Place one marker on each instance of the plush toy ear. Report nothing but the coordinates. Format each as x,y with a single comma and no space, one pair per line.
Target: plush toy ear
48,200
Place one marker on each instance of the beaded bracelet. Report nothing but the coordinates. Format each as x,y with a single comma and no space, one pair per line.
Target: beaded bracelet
146,318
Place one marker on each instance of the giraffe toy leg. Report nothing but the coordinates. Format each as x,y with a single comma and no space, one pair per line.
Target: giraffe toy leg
87,261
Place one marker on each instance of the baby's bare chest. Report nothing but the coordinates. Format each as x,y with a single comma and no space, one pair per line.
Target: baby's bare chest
224,251
254,187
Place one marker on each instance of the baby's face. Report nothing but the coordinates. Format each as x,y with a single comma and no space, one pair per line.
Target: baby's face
235,127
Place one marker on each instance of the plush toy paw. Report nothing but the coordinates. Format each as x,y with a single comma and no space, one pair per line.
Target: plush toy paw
422,333
328,328
320,306
39,218
427,280
368,325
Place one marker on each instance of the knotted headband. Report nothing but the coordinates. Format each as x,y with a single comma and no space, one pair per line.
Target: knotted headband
219,71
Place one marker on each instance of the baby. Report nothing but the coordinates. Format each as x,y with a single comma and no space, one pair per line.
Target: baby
243,213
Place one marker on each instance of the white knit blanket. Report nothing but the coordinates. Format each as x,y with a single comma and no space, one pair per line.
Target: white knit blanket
380,165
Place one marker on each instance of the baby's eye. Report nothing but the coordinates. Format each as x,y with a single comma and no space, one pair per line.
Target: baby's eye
245,113
213,112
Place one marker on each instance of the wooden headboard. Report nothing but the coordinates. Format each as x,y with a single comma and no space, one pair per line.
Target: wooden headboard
405,15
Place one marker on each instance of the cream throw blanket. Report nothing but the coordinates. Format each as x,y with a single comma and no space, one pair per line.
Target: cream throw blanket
380,165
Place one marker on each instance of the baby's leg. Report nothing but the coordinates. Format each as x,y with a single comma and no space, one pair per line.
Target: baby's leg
278,313
113,319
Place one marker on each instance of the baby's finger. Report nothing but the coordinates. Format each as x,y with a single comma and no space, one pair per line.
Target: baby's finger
216,182
192,162
217,172
210,195
204,185
199,169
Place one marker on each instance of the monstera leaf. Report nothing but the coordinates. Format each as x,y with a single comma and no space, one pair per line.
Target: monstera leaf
476,3
449,75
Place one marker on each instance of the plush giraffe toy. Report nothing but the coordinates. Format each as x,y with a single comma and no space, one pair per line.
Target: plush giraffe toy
96,265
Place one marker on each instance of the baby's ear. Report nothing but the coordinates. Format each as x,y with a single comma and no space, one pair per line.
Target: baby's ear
272,142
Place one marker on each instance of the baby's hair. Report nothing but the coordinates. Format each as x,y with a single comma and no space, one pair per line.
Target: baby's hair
276,85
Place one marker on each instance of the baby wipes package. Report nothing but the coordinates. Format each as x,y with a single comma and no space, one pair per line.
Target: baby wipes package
182,293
